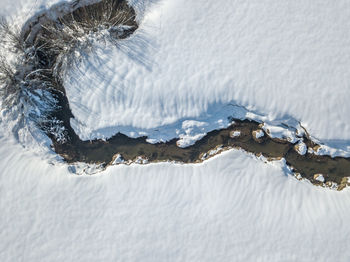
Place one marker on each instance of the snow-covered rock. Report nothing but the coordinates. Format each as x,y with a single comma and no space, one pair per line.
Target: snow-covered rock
141,160
298,176
319,177
118,159
235,133
258,135
301,148
282,132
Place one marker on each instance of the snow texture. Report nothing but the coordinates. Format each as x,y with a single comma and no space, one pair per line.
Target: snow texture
284,59
281,58
232,207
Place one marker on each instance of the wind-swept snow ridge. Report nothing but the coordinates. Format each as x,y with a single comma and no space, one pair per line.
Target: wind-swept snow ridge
229,208
232,207
53,44
282,59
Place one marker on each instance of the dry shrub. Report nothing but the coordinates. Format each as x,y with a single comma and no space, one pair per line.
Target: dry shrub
41,61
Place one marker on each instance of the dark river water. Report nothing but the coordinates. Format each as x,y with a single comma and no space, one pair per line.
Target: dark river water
103,152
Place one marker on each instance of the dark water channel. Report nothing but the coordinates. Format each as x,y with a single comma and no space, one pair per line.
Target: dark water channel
104,152
100,151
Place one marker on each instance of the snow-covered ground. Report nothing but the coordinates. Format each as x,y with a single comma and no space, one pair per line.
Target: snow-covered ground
230,208
281,59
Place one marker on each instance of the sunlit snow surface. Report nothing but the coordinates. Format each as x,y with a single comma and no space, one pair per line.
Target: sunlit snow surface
231,208
282,57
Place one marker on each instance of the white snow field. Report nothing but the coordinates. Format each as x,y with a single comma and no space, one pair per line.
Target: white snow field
230,208
189,60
